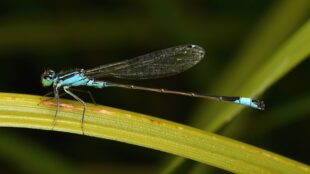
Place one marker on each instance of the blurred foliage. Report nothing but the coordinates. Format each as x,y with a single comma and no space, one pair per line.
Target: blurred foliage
67,34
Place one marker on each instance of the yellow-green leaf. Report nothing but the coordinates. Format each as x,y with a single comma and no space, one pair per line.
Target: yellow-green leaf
29,111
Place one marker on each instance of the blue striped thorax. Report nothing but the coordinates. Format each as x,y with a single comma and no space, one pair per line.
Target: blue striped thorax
74,78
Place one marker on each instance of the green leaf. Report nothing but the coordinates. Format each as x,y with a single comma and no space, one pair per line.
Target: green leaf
259,65
253,127
293,52
29,111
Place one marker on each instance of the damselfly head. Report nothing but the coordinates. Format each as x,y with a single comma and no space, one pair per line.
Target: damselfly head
48,77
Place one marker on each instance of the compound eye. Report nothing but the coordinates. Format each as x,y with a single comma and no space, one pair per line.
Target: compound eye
48,74
45,76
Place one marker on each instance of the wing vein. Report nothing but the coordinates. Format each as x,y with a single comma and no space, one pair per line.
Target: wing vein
158,64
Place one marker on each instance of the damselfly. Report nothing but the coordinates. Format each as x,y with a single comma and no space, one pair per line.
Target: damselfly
158,64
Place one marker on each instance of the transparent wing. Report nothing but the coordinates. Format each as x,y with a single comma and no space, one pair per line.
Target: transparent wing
158,64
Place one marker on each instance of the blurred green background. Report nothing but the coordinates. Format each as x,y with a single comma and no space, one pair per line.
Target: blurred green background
35,35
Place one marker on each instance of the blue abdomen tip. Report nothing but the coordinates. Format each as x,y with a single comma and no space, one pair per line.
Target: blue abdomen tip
250,102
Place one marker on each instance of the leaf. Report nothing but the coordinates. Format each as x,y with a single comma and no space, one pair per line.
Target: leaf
293,52
255,71
17,110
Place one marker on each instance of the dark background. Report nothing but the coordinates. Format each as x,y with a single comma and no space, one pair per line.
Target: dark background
35,35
